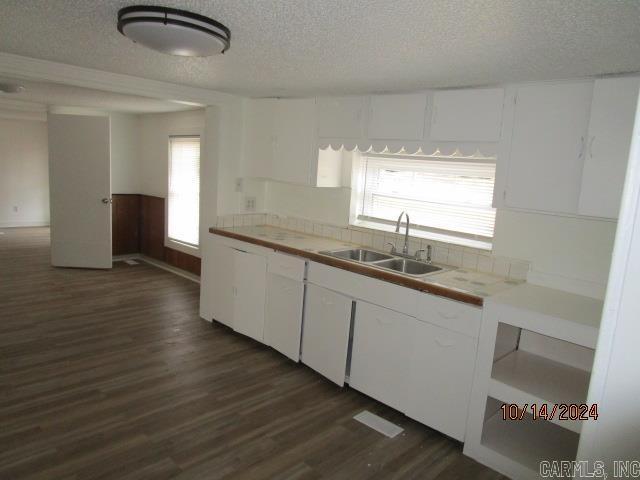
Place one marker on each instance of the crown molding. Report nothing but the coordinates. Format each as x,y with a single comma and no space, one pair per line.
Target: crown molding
11,109
26,68
22,105
8,114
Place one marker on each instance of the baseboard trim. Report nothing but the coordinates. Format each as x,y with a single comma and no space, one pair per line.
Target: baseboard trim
159,264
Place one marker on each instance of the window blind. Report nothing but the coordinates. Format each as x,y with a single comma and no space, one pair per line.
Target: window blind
439,194
183,210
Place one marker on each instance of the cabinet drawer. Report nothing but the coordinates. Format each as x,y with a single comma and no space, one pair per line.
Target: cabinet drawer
378,292
449,314
286,265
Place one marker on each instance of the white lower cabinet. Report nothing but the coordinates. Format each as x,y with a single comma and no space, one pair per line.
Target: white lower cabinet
217,292
249,293
283,315
325,335
380,357
440,375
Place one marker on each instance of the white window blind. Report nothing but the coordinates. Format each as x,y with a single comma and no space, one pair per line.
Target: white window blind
440,194
183,210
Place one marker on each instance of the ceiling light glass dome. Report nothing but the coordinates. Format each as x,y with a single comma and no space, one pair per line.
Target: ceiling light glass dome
172,31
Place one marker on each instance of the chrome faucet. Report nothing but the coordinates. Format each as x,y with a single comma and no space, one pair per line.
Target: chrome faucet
405,249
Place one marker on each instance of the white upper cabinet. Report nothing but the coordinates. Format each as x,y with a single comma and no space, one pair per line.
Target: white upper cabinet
470,115
341,117
259,137
547,146
280,140
397,117
610,129
295,141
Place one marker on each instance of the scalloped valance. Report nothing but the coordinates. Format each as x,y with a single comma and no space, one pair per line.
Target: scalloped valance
440,149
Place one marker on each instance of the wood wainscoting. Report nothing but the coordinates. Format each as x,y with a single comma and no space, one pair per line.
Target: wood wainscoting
139,226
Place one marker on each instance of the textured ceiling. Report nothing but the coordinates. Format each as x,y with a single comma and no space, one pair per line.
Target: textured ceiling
297,47
52,94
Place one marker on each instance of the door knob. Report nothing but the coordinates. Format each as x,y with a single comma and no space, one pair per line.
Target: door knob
106,200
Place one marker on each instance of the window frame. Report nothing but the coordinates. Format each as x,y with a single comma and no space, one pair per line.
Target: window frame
169,242
357,219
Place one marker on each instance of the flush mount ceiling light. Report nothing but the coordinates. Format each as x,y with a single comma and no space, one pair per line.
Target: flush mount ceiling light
172,31
11,88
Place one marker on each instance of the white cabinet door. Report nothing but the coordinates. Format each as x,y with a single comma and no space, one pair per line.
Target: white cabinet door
217,294
397,117
610,127
325,332
441,373
283,315
249,287
379,356
547,146
340,117
472,115
295,141
259,137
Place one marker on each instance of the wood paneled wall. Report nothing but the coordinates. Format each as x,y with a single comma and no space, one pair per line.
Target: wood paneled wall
125,224
138,227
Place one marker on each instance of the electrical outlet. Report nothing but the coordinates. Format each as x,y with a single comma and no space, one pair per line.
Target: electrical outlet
238,185
250,204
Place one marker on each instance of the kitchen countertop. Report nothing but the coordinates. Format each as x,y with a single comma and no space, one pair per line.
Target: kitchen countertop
455,283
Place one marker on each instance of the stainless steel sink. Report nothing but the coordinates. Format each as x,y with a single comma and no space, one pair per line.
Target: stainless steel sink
407,266
359,255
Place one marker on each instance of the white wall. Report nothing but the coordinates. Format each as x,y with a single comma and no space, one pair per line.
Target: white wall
570,253
327,205
155,130
24,173
125,153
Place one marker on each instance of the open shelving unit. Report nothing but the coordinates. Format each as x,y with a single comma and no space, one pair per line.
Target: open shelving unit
536,347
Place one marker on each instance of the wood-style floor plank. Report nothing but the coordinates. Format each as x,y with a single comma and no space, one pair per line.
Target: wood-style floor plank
112,375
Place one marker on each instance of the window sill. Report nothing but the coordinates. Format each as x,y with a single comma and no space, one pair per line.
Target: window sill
436,237
182,247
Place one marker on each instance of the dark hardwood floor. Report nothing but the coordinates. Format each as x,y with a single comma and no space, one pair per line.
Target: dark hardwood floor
112,375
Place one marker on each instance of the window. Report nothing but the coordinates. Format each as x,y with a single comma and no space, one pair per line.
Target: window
441,195
183,210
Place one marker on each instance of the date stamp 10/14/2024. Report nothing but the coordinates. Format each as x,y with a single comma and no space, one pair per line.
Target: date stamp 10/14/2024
550,412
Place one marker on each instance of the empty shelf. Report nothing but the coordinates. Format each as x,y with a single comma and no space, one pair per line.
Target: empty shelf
525,378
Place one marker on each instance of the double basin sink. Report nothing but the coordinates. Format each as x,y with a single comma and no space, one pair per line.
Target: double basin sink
385,261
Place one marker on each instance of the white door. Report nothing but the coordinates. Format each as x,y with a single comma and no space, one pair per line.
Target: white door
325,332
80,190
547,146
440,377
217,293
283,315
380,354
612,115
250,273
